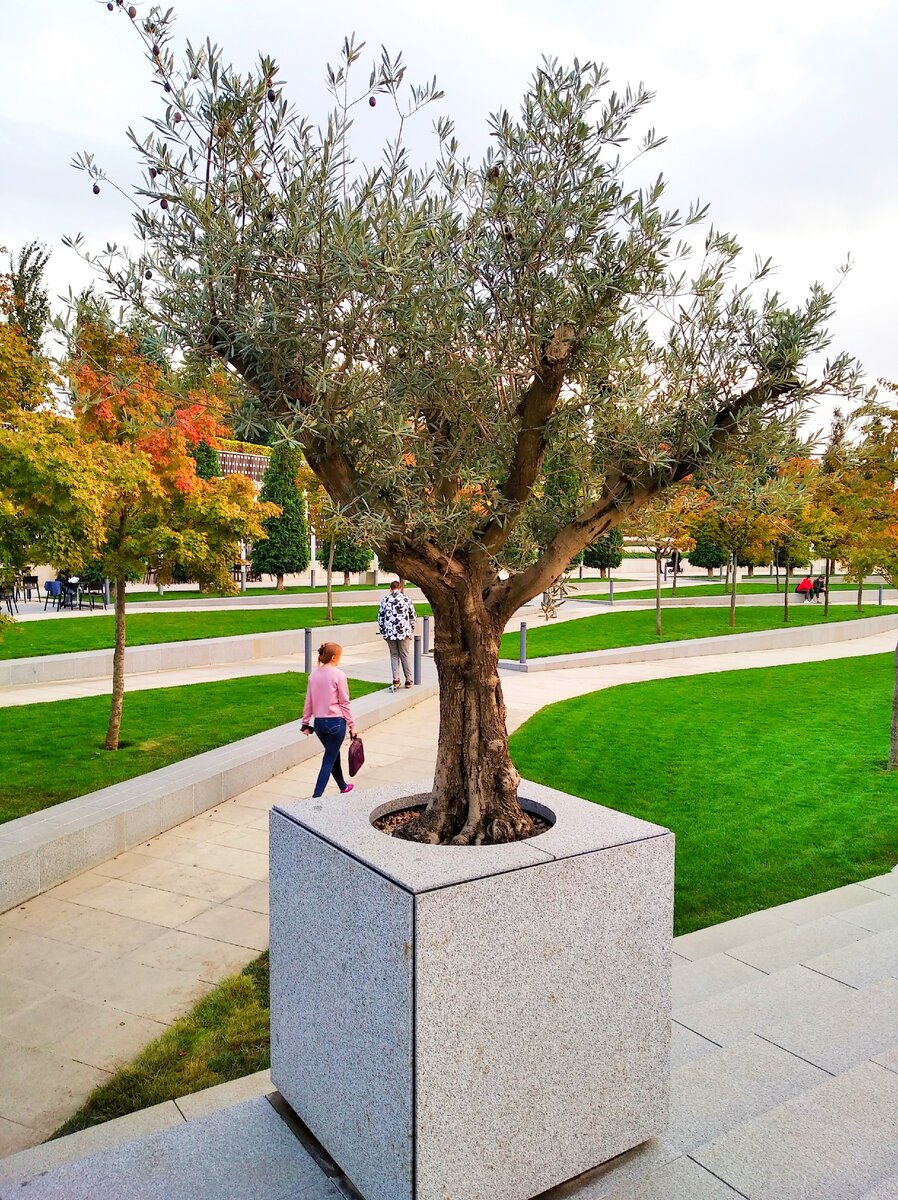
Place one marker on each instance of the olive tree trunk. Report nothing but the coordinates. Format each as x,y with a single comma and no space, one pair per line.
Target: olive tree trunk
118,668
475,789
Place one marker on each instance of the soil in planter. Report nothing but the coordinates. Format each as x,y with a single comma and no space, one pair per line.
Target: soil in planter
395,820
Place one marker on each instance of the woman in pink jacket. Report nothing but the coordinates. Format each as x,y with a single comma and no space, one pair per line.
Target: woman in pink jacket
327,701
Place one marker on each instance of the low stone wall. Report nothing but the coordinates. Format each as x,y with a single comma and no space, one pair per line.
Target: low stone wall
46,848
762,600
766,639
251,599
170,656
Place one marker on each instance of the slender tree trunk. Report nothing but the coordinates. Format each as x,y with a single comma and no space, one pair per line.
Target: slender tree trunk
751,570
118,667
676,561
893,732
777,566
346,579
733,596
475,789
710,571
786,592
827,566
330,581
860,594
658,629
279,585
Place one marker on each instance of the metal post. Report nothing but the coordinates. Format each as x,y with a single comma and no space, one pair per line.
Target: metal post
880,595
312,578
308,650
427,635
581,570
522,636
665,572
242,575
417,675
106,599
610,590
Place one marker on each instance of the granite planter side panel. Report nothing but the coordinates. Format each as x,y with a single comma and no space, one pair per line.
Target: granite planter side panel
542,1003
341,1007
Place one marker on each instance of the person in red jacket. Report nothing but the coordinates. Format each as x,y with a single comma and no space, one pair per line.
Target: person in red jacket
806,589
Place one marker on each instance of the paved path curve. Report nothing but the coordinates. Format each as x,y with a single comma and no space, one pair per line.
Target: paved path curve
94,969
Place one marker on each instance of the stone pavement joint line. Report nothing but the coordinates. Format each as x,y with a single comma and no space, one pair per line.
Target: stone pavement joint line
94,969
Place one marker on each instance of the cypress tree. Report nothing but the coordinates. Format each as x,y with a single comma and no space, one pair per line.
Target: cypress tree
285,549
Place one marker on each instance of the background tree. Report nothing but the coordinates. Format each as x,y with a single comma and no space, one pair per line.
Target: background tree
348,556
663,525
205,455
285,547
706,552
155,505
431,336
605,553
32,303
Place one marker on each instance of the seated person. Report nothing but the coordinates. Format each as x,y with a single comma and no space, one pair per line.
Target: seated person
806,589
819,587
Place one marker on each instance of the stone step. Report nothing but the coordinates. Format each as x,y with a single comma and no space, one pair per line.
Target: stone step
838,1141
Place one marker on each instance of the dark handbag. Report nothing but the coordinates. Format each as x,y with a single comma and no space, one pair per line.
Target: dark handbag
356,755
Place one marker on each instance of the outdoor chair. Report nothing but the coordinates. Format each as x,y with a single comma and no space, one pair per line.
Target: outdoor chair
8,597
90,595
53,592
30,584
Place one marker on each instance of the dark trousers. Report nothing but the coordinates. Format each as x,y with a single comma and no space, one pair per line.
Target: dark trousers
331,731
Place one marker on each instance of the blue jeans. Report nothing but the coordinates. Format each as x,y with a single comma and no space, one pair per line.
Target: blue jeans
331,731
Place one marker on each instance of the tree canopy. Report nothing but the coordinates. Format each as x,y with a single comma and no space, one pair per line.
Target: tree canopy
438,337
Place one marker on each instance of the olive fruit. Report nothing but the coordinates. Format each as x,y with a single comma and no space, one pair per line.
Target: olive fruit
272,95
163,203
132,12
148,274
96,189
372,100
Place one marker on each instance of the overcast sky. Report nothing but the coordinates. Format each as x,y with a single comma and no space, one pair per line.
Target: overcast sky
780,113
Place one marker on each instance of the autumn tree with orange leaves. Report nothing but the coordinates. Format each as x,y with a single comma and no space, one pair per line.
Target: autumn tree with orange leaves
156,507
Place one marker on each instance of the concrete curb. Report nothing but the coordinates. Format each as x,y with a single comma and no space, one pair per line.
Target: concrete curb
43,849
767,639
286,600
763,599
168,656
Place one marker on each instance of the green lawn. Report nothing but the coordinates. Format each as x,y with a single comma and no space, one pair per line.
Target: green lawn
52,752
225,1036
614,629
773,780
63,635
252,590
753,587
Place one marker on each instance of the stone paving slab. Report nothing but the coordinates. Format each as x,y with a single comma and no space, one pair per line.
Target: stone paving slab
721,1091
686,1046
796,945
861,963
881,914
246,1152
835,1142
758,1006
706,977
683,1179
846,1031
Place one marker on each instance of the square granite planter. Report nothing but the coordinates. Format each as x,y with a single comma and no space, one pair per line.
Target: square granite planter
470,1023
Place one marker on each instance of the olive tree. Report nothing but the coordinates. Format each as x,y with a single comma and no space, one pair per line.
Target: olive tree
432,335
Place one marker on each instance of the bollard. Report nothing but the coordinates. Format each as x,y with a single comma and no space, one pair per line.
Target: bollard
417,675
581,570
312,579
880,595
427,635
522,652
307,646
243,577
610,590
106,599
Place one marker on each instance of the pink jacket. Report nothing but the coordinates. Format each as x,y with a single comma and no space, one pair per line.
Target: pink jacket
328,695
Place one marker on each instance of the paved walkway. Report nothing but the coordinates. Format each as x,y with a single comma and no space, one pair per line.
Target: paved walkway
94,969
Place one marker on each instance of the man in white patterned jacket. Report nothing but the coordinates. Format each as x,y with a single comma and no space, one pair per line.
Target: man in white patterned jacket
396,623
